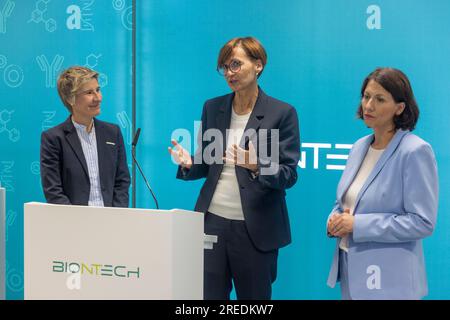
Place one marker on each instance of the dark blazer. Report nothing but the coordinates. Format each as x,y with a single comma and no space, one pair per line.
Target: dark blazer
64,173
263,198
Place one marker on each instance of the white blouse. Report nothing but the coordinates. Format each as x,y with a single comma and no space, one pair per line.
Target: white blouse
350,196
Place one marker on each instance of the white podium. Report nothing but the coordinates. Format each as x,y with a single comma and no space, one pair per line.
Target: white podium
78,252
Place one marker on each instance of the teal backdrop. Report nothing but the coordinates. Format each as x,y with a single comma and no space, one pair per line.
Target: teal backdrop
319,52
38,40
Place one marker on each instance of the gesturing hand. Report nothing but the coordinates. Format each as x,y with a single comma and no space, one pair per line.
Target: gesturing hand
241,157
180,155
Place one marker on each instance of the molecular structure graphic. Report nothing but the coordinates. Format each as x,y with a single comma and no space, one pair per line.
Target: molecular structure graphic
35,168
92,60
5,118
91,63
37,16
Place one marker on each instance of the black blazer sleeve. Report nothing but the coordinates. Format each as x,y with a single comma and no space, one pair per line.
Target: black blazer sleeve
289,154
51,170
198,170
122,180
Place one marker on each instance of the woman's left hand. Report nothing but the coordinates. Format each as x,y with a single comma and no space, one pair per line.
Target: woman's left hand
342,224
241,157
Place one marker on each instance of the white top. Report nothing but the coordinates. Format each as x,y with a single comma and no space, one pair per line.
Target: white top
350,196
226,201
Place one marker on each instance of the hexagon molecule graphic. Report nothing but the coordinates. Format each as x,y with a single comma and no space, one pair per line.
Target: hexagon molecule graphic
41,6
14,135
5,117
102,80
50,25
92,60
35,168
36,16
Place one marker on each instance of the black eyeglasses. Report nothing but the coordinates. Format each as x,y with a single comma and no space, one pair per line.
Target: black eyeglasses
234,67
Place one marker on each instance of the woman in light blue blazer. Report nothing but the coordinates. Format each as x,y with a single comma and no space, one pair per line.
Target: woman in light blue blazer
387,198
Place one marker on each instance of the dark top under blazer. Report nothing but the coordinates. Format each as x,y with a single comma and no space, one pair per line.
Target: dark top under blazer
262,198
64,172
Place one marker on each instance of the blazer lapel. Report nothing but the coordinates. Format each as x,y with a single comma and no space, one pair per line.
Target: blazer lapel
352,167
223,119
101,149
392,146
74,142
256,117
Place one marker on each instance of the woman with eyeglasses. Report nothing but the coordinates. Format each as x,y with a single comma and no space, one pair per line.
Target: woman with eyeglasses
248,165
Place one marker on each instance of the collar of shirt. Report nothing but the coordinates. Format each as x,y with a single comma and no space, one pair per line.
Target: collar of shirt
82,127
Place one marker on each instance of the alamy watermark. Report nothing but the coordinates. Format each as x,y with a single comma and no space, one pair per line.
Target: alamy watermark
261,147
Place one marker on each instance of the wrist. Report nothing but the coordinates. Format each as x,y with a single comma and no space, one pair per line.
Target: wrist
254,173
186,166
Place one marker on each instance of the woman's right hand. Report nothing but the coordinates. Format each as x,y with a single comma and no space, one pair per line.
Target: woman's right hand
331,223
340,225
180,155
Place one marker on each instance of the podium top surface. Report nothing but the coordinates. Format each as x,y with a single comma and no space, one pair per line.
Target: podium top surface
114,209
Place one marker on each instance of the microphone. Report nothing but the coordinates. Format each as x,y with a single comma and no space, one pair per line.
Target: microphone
136,137
133,145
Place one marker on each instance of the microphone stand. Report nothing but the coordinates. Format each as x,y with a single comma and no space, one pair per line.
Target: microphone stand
133,154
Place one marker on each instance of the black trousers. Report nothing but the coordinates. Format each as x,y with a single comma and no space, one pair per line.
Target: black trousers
235,260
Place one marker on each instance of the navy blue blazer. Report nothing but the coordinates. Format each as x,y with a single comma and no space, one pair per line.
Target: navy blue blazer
64,173
262,197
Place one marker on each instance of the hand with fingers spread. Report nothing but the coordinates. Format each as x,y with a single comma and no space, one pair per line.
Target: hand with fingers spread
241,157
341,225
180,155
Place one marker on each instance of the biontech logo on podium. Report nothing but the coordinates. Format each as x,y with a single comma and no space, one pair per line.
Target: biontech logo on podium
96,269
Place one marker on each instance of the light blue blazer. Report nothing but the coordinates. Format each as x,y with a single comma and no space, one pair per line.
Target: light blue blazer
395,209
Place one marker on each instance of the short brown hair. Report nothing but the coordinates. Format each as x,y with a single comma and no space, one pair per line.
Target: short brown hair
70,81
397,84
252,47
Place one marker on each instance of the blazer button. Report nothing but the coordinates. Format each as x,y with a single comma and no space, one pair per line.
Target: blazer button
242,187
